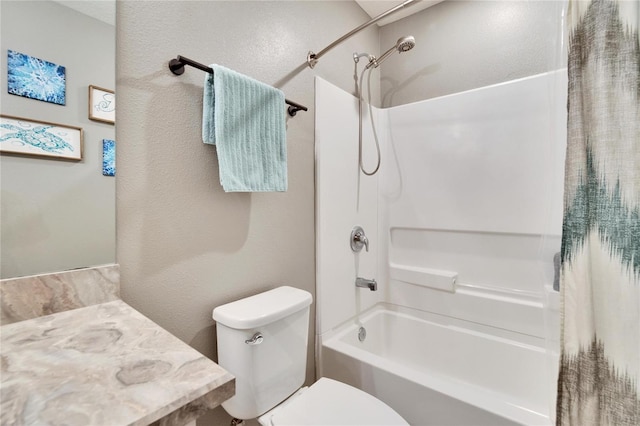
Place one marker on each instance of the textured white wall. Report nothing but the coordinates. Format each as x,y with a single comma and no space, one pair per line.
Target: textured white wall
185,246
462,45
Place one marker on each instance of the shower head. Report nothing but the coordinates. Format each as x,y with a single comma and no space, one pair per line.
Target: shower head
403,44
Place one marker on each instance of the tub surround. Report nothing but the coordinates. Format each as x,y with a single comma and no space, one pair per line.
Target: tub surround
34,296
466,222
104,364
345,198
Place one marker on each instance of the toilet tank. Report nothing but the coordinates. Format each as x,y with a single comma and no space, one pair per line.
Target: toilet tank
267,369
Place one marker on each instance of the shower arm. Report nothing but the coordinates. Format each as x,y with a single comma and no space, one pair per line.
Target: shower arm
312,58
375,62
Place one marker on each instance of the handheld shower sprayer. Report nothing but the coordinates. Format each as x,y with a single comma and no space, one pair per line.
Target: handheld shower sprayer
403,44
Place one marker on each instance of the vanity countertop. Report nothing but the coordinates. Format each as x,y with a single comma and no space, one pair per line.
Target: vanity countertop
104,364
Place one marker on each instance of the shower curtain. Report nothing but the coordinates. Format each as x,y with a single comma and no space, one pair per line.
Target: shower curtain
600,272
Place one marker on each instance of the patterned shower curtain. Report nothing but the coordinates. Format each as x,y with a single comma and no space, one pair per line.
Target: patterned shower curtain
600,273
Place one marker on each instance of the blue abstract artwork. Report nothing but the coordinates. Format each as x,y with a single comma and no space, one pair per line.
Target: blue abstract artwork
35,78
25,136
108,157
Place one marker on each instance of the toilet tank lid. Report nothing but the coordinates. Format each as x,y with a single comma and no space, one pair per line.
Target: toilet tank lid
264,308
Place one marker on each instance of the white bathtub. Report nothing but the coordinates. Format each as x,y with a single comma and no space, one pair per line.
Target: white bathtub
437,370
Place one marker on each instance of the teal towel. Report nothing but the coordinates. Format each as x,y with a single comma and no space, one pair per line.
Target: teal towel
245,120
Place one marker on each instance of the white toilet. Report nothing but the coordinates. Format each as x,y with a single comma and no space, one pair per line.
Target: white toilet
262,340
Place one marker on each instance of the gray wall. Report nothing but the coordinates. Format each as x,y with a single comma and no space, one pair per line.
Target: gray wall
462,45
57,215
185,246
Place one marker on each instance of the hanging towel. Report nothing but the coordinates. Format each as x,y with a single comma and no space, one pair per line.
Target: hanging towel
245,120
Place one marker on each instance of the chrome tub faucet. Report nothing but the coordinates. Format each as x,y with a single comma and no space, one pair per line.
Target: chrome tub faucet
358,239
365,283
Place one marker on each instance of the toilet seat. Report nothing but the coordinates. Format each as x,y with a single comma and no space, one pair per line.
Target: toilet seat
329,402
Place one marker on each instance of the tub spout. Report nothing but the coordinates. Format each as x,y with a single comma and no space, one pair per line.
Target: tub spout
365,283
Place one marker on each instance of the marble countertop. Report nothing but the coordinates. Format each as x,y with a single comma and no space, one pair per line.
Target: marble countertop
105,364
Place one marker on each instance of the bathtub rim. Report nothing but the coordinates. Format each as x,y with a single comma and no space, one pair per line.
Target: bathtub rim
438,318
474,395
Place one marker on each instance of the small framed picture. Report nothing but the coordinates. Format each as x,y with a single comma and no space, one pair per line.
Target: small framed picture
40,138
108,157
102,105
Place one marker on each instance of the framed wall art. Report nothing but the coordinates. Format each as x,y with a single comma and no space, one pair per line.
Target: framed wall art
40,138
108,157
35,78
102,105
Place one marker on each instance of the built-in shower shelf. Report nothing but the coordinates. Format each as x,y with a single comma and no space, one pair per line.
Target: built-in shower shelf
425,277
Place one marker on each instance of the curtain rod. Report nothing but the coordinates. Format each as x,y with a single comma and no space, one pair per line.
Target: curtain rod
177,67
312,57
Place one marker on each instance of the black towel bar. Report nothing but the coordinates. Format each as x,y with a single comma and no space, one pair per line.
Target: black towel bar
177,67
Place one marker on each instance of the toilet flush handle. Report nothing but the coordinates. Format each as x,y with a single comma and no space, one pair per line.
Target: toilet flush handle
256,339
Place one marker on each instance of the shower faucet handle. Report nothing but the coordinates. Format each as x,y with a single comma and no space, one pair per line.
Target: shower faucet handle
359,239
